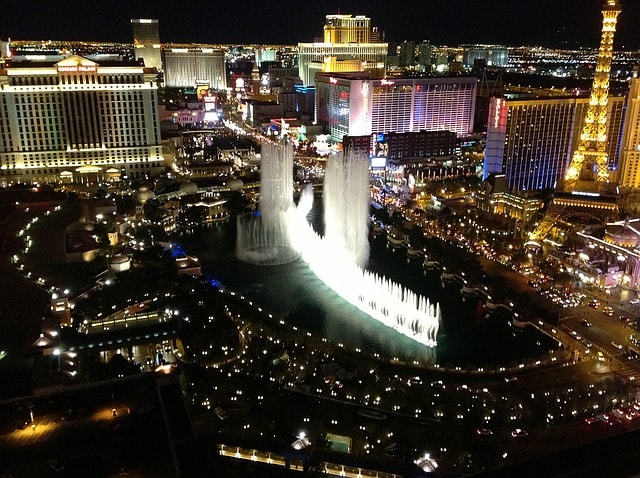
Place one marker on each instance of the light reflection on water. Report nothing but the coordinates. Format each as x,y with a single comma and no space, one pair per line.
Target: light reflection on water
292,291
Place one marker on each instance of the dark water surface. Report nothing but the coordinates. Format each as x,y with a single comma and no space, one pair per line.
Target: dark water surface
467,337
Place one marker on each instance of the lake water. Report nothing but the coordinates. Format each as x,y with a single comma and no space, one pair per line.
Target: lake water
466,336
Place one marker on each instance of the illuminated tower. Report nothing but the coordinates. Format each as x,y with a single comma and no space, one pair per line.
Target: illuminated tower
255,79
590,157
585,191
347,46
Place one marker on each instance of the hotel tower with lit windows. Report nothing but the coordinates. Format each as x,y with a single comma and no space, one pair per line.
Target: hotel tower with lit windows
530,135
78,121
348,46
355,104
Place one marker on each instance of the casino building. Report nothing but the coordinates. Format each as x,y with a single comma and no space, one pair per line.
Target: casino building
78,121
349,44
191,67
531,136
356,104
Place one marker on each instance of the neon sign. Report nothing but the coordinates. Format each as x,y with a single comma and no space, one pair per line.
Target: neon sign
78,69
386,82
496,114
333,80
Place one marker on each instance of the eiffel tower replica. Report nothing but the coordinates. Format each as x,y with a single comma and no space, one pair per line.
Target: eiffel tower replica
585,190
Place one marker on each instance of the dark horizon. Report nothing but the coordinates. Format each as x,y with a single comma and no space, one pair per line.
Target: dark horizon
571,23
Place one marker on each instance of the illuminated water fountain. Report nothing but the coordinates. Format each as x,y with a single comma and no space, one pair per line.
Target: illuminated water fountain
346,207
263,237
338,258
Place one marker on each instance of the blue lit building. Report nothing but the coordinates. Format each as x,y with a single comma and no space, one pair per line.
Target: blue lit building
530,138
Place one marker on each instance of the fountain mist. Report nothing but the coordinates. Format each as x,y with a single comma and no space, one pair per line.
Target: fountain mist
339,257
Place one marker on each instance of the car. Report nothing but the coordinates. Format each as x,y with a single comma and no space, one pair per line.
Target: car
600,356
617,345
608,311
510,379
619,412
613,421
590,420
56,464
594,303
586,323
519,433
220,413
23,424
484,431
634,301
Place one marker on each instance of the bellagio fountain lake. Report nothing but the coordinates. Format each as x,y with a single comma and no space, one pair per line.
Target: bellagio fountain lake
312,263
338,257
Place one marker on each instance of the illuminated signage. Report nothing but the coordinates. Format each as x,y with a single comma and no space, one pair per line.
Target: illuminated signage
386,82
365,89
78,69
202,91
584,193
378,162
496,115
333,80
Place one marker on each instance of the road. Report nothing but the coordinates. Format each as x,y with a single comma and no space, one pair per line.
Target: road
605,331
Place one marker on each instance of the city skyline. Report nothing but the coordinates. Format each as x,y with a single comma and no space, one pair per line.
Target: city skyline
571,23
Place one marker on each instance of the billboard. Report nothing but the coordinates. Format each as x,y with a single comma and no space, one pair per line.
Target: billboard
202,90
380,151
378,162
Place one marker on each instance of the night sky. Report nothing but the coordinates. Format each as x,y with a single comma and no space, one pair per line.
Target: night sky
565,23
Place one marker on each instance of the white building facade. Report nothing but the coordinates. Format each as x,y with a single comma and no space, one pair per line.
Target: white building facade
190,67
354,104
77,120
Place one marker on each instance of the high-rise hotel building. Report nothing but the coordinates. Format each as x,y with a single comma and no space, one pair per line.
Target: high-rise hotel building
77,119
355,104
630,150
192,67
346,47
146,41
531,139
